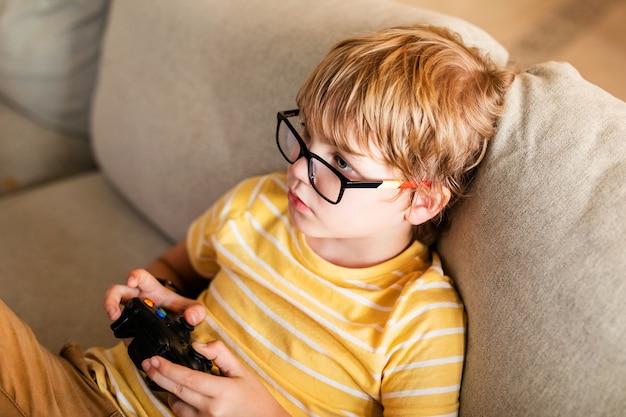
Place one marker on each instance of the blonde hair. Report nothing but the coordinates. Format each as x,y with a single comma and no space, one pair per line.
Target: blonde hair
417,94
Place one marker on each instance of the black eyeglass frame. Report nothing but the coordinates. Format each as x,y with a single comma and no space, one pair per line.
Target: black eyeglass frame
283,117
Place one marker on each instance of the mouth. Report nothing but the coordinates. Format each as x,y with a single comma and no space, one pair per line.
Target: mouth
296,203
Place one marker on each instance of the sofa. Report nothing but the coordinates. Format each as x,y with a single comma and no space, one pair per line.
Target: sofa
121,121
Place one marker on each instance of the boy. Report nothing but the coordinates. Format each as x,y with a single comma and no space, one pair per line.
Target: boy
324,298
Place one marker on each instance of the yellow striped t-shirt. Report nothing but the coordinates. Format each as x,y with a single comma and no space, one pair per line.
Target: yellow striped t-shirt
326,340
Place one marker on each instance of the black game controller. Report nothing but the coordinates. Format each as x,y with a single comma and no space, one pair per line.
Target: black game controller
156,332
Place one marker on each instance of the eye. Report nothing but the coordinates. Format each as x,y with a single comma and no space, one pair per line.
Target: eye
341,163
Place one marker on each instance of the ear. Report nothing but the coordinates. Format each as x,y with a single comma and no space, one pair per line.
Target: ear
427,204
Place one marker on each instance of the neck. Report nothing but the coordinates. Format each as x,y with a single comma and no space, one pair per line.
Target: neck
351,253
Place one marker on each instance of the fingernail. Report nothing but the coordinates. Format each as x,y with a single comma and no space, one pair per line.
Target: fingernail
193,316
146,365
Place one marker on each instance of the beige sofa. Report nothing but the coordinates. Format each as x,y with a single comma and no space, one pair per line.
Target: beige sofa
106,157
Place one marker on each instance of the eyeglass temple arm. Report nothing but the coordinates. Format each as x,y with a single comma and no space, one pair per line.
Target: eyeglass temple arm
403,185
388,184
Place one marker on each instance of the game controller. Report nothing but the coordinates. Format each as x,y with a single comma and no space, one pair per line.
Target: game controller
155,331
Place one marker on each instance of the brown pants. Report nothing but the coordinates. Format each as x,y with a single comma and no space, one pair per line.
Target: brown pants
34,382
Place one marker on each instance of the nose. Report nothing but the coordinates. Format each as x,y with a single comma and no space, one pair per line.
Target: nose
300,169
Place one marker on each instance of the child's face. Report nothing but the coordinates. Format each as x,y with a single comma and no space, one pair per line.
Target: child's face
362,214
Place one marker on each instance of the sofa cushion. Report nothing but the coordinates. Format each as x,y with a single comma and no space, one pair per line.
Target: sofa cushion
538,254
184,112
61,246
31,154
49,53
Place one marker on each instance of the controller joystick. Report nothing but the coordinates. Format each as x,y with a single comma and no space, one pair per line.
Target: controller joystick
155,331
186,324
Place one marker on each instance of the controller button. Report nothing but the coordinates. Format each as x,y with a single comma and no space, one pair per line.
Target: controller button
148,302
161,313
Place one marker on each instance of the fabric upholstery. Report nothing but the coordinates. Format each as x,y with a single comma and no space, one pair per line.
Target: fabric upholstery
61,246
30,154
185,112
538,254
49,52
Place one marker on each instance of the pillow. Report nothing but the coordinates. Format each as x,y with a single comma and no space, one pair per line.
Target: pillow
49,53
538,254
185,111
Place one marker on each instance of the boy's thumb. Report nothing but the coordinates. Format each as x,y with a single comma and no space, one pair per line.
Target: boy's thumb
221,356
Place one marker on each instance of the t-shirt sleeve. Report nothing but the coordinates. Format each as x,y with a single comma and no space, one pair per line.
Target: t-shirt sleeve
425,361
204,231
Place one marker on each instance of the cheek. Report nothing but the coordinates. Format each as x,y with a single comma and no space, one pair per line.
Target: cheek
392,209
344,219
363,207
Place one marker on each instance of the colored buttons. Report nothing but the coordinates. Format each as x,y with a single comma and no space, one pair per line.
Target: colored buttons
159,311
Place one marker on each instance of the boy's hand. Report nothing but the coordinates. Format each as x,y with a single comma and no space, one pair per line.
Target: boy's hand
238,392
141,283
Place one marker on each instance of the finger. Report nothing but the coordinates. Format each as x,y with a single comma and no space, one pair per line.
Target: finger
181,408
192,387
195,312
228,364
138,281
150,287
143,280
116,295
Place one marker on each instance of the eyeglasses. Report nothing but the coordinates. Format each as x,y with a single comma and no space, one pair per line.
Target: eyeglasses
325,179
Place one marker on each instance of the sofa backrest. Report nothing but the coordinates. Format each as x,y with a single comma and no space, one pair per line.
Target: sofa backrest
186,101
538,253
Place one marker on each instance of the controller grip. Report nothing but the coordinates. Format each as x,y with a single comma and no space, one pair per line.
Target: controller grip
199,362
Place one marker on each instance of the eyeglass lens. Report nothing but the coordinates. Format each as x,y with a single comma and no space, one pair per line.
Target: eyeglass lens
323,179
